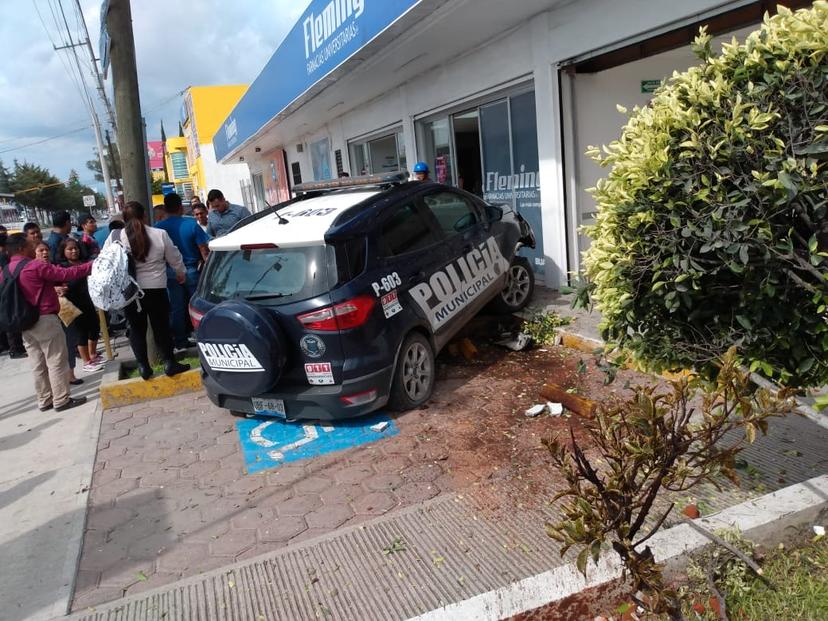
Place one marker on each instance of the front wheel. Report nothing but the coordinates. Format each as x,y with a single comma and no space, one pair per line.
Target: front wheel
414,375
518,289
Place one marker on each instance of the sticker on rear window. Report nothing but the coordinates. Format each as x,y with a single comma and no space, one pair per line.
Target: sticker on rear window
391,304
232,358
319,374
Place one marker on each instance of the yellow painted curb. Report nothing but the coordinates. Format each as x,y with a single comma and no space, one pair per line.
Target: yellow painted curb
580,342
588,345
127,392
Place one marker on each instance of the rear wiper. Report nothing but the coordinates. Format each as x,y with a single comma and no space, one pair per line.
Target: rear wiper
265,296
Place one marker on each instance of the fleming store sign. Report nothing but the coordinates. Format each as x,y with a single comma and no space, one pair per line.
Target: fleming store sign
328,33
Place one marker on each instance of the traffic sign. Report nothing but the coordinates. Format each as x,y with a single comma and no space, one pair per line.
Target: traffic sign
89,200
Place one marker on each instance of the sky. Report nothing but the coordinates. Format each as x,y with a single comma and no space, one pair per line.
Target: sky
178,44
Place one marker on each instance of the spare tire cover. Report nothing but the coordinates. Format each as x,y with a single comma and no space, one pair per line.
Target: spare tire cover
242,348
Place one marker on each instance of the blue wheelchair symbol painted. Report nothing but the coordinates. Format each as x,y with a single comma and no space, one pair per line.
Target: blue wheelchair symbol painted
269,443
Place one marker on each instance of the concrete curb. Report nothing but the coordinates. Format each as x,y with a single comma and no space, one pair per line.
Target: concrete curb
785,516
76,542
116,392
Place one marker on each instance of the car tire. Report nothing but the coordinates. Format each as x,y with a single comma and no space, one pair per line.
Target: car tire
415,374
519,287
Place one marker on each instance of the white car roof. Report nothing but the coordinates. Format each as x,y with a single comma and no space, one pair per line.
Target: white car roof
308,221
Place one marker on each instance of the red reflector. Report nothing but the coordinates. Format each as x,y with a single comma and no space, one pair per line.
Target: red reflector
195,317
258,246
344,316
361,398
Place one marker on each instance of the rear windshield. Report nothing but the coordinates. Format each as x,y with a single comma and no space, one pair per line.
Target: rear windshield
279,275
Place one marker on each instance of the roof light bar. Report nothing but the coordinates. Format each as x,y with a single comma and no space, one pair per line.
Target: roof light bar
352,182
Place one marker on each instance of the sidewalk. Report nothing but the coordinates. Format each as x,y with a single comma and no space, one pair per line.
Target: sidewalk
451,505
46,463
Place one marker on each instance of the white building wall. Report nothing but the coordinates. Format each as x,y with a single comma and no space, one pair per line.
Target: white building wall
225,177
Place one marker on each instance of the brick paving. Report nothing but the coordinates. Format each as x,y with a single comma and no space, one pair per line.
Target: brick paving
170,498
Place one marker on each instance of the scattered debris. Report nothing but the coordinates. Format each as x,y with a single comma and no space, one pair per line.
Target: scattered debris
380,427
691,511
578,405
553,409
819,531
520,342
468,349
535,410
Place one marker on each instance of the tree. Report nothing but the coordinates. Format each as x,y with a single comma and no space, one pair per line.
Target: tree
156,186
36,187
114,161
5,179
712,227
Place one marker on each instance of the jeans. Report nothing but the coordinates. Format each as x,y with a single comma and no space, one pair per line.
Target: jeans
180,296
155,308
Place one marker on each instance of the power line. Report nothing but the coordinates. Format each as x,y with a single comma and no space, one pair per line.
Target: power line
50,138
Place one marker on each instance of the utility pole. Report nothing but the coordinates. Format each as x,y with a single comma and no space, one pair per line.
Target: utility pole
72,46
111,153
130,131
98,78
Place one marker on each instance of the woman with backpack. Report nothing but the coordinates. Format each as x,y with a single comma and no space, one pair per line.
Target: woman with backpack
86,329
151,250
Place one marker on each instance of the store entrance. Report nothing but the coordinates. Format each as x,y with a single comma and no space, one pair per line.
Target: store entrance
467,146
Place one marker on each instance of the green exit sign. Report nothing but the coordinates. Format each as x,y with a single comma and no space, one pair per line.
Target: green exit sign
650,86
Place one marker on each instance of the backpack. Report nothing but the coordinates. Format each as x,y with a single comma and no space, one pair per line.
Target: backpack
16,313
112,283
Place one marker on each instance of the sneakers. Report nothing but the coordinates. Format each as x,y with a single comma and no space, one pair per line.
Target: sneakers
14,355
73,402
93,365
45,408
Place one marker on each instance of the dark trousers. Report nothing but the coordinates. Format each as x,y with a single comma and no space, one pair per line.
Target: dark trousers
12,342
155,308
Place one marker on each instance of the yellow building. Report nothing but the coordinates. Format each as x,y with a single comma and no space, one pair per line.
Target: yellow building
175,157
204,110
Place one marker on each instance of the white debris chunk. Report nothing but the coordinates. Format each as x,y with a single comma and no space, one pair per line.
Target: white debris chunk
380,427
555,409
819,531
536,410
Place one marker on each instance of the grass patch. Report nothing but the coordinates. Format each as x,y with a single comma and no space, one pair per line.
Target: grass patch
193,361
800,578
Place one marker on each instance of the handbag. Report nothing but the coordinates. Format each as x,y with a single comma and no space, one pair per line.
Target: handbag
68,311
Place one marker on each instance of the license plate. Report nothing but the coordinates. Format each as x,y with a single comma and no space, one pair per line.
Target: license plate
269,407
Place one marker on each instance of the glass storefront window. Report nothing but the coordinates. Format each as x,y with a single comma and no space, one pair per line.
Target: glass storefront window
436,140
385,154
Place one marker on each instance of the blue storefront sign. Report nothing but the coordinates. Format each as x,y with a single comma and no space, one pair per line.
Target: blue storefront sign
327,34
167,188
269,443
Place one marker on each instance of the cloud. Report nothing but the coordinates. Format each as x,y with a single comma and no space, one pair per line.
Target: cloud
178,44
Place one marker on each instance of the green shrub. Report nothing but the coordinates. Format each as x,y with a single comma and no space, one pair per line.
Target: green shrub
713,221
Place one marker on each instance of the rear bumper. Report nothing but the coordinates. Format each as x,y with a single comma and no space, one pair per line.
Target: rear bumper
312,403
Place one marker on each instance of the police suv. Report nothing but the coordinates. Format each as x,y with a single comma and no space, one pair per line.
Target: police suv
335,303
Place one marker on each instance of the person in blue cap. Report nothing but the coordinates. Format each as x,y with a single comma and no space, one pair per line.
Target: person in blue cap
421,172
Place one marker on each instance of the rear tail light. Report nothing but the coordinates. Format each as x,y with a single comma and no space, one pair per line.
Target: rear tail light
195,317
344,316
360,398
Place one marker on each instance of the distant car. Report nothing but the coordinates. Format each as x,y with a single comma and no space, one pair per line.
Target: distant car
335,304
